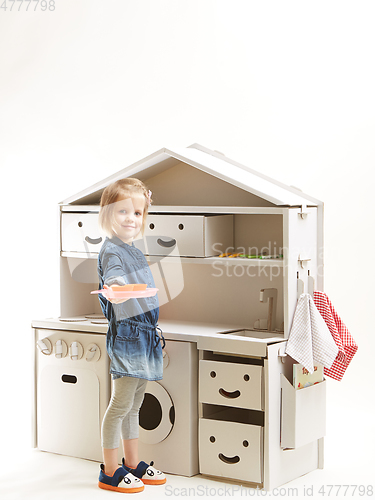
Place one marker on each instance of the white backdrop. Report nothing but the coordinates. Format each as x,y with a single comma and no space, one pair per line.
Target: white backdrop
285,87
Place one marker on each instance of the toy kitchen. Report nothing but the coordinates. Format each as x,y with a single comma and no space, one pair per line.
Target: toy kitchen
245,248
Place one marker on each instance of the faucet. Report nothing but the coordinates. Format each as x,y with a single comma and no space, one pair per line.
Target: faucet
270,295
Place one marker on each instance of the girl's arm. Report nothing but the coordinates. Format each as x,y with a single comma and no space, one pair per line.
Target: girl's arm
113,273
115,301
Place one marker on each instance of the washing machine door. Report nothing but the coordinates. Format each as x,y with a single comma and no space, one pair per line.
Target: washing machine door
156,416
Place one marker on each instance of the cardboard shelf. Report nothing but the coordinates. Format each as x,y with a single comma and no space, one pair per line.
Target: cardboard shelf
214,210
183,209
227,261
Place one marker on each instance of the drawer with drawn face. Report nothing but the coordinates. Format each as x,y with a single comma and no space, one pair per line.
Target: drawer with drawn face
80,232
231,384
231,450
187,235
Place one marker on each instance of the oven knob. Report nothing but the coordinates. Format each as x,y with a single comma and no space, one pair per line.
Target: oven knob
45,346
75,351
61,349
93,352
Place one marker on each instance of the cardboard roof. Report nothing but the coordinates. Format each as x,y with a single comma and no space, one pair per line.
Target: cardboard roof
205,160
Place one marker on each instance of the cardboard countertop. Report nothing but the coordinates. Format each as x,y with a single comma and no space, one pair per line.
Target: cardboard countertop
208,336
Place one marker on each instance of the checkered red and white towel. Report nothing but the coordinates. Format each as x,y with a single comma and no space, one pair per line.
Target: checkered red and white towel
310,340
343,339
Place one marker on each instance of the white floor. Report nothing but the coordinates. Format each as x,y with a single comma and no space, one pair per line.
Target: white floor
349,459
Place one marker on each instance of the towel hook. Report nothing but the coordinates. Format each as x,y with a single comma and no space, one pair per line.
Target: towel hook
311,283
300,286
303,260
303,212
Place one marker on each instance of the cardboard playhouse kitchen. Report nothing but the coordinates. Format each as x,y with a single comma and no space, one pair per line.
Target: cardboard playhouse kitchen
226,406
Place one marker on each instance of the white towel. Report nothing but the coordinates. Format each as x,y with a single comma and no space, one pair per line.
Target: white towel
310,341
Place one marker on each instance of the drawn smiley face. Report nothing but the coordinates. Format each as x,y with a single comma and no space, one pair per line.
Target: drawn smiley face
162,244
234,459
159,239
172,235
88,239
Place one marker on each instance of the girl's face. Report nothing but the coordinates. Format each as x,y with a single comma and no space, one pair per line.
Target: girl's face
128,217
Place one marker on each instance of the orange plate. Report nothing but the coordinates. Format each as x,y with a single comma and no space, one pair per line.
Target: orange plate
109,293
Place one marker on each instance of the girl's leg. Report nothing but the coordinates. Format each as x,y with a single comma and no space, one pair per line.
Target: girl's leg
122,399
110,460
130,447
130,427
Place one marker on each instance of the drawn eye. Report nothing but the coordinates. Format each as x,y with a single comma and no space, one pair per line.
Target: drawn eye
152,226
80,224
181,226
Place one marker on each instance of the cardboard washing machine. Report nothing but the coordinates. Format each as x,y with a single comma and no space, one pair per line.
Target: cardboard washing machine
168,417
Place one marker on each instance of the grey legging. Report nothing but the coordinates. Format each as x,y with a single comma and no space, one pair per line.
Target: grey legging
122,414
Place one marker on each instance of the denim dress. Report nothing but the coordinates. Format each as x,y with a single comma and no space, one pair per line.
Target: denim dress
133,339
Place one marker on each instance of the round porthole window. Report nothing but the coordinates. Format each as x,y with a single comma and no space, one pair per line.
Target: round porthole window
151,413
156,415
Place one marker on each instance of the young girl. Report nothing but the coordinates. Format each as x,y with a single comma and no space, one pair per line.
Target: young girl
133,341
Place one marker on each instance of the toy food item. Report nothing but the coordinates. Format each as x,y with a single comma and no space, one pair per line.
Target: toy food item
122,288
131,287
139,286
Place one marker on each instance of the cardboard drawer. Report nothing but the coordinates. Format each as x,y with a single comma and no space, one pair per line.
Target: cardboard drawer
80,232
187,235
231,384
231,450
303,413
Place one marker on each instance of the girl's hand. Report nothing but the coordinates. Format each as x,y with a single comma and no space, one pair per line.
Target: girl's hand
115,301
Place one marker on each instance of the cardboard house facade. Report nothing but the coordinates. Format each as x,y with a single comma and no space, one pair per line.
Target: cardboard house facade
225,318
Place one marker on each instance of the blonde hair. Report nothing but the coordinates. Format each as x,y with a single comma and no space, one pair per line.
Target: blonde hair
119,190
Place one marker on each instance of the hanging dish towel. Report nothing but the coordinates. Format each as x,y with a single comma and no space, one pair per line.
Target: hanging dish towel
344,341
310,340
